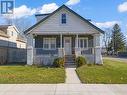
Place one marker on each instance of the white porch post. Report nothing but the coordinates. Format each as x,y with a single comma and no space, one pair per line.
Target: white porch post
76,41
61,41
60,50
30,48
77,49
97,49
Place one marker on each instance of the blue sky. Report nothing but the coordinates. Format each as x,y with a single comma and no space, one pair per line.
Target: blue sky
103,13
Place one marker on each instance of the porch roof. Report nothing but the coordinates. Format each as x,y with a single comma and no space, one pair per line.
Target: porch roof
63,33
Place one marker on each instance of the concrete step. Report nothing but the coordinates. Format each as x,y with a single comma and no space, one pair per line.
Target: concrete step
68,65
69,58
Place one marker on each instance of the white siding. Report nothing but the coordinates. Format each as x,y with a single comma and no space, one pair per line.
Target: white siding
21,44
11,41
12,38
74,24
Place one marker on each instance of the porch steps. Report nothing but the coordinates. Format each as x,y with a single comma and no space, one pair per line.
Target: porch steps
69,59
70,65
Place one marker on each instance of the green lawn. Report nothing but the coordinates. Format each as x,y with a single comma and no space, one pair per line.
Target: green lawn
28,74
111,72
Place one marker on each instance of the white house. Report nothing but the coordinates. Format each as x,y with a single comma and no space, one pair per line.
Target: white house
63,33
12,45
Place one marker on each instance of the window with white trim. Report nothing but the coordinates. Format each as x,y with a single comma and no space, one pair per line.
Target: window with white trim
83,42
49,43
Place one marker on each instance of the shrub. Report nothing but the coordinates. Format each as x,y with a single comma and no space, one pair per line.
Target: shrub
80,61
58,62
37,65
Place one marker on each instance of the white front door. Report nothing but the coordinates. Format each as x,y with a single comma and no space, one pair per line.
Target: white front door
67,45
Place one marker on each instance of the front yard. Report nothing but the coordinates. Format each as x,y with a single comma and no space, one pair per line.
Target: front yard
111,72
28,74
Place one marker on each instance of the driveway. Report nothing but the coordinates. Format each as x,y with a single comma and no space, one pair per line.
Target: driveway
63,89
117,59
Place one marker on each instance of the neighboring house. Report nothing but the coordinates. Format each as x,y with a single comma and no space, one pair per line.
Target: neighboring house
103,51
12,45
63,33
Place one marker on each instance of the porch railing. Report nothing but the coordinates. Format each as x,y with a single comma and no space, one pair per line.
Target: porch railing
61,52
41,51
86,51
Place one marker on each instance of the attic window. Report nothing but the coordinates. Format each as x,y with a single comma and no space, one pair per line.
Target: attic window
12,33
63,18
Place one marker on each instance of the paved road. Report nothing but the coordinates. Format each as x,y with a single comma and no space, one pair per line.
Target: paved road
117,59
63,89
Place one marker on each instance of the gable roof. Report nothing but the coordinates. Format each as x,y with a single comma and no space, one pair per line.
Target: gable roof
63,6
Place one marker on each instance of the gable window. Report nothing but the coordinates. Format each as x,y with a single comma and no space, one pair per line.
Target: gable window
12,33
83,42
63,18
49,43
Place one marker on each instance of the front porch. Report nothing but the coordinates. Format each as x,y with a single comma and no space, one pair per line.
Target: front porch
48,47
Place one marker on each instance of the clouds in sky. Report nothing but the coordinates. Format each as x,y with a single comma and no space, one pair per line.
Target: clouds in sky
107,24
24,11
48,8
122,7
72,2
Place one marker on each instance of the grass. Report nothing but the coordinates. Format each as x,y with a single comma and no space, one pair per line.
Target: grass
112,72
28,74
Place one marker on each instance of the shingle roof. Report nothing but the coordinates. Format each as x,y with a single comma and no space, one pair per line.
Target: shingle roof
4,26
63,6
42,14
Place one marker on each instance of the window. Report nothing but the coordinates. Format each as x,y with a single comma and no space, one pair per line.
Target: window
49,43
20,45
46,43
63,18
12,33
83,42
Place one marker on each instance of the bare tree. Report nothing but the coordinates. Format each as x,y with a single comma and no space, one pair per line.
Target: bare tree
8,18
22,24
107,39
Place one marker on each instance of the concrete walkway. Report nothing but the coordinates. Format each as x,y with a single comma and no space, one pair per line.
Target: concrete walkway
63,89
71,76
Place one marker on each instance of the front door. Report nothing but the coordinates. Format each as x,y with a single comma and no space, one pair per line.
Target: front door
67,45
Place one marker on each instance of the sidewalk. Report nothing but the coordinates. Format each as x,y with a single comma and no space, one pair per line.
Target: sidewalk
71,76
63,89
